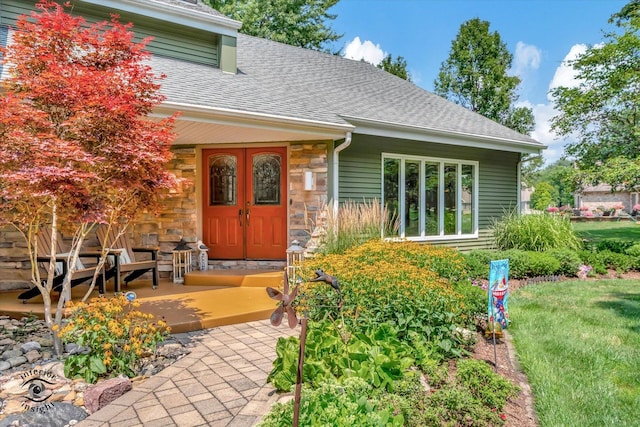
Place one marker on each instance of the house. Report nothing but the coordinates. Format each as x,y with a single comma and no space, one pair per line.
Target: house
269,131
602,196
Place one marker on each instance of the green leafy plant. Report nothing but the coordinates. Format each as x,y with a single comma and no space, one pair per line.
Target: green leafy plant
115,334
351,403
332,353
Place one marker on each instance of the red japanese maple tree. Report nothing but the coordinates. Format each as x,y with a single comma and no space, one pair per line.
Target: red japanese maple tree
76,144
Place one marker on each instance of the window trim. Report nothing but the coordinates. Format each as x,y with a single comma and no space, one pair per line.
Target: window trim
441,161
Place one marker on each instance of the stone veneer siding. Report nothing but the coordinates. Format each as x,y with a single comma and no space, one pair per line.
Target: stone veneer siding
306,205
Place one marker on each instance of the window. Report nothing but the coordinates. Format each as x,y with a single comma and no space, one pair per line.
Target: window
432,198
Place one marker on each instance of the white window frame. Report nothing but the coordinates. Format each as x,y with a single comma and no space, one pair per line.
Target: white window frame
441,163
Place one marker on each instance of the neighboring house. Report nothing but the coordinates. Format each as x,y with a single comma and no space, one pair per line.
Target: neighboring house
269,131
525,199
598,196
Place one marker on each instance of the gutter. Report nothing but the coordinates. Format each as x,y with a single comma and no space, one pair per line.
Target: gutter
336,164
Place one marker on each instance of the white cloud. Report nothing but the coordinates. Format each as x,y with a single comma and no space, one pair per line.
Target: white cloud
542,114
526,57
364,50
565,75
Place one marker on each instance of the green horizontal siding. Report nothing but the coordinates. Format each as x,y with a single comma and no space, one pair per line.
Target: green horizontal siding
11,9
360,176
170,40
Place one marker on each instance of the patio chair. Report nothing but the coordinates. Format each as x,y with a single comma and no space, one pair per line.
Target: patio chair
122,256
81,275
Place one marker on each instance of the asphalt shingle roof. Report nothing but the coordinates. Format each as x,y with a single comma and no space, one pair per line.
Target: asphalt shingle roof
195,5
283,80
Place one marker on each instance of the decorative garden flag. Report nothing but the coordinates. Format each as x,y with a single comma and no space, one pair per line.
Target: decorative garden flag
499,292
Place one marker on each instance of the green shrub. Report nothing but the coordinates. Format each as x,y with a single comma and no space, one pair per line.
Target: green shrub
633,250
593,259
541,264
617,261
518,263
616,246
570,261
477,263
634,253
540,232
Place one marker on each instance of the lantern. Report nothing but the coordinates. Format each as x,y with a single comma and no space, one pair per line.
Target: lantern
181,255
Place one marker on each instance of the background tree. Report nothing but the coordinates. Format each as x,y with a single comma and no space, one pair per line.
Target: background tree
296,22
543,196
561,176
397,67
601,112
530,170
76,147
475,76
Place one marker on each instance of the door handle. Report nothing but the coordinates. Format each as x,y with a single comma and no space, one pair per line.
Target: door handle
240,217
248,213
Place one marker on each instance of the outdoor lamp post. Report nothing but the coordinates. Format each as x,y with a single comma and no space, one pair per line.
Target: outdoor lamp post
181,255
295,255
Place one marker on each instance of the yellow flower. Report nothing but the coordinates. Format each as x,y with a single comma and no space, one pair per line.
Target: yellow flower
97,327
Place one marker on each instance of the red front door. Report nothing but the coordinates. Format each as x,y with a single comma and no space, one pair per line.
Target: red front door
244,203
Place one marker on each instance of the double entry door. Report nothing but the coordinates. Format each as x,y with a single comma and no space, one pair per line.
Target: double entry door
244,203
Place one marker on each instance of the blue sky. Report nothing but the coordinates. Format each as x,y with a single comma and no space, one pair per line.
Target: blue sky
540,34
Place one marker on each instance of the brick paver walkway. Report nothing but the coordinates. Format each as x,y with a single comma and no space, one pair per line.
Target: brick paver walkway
222,382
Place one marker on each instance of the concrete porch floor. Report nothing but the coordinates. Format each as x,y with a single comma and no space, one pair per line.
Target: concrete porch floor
207,299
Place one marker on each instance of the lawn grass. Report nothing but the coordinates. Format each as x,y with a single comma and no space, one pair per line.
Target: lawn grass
579,344
598,231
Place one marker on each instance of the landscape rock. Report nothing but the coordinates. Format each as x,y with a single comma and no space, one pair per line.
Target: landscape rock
17,361
32,356
101,394
56,414
29,346
4,365
10,354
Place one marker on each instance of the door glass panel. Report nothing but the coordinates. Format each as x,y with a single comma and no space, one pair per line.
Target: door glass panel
467,199
266,179
391,194
412,198
223,173
432,189
450,199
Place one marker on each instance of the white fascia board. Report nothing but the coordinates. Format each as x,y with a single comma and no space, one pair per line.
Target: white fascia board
174,14
254,120
418,133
